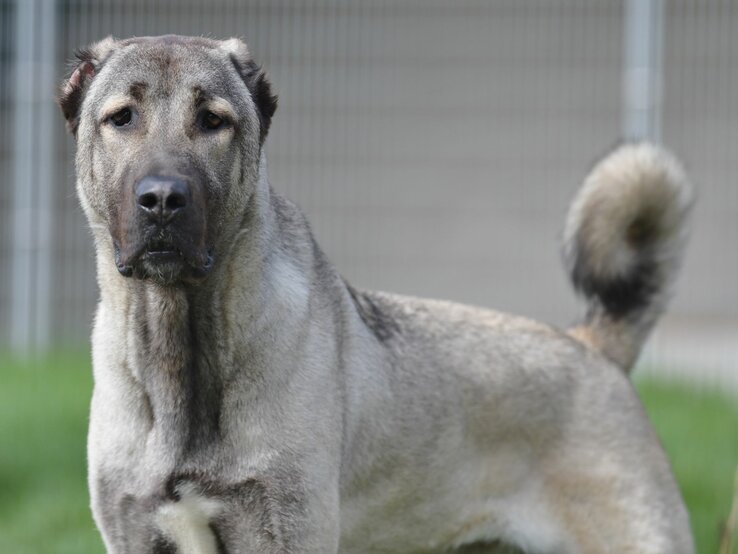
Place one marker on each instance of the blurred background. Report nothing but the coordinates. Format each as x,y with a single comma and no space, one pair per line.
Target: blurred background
435,146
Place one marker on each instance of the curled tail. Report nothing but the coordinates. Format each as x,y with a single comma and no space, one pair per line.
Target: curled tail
623,243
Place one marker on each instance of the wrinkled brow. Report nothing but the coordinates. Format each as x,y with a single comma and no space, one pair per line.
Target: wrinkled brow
112,105
215,103
200,96
137,90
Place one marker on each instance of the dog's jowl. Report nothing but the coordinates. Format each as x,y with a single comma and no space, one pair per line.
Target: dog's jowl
247,399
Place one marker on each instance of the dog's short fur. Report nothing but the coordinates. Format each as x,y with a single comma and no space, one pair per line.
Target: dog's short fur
247,399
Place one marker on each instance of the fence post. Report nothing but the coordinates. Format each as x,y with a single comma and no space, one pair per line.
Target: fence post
642,72
47,179
23,230
33,158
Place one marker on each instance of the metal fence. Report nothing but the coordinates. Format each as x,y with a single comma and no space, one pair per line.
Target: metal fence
434,144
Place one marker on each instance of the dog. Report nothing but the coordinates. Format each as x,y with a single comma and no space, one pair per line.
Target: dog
248,399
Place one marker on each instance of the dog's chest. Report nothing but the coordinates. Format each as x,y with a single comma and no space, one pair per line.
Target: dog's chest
152,494
186,510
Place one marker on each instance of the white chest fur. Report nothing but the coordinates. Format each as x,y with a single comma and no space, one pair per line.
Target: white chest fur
186,522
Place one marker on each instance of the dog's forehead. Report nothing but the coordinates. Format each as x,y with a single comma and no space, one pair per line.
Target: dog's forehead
171,63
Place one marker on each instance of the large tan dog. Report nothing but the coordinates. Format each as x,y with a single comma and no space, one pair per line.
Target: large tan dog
247,399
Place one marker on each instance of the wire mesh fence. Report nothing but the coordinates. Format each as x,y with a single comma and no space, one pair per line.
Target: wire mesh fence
434,145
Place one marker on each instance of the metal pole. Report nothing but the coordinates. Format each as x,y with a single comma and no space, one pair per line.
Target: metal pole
21,326
33,163
45,175
643,45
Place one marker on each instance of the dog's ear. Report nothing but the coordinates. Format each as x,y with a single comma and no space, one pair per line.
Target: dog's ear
256,81
72,91
263,95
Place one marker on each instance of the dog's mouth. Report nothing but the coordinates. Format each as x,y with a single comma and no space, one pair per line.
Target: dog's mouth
164,261
162,251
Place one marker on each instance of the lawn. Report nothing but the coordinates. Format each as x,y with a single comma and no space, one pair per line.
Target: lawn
43,418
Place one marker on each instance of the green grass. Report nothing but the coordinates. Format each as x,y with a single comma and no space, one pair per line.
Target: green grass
699,431
43,420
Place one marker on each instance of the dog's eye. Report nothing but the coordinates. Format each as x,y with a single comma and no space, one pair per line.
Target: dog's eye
211,121
121,118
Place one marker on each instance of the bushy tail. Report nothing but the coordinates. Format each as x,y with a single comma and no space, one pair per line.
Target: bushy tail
623,243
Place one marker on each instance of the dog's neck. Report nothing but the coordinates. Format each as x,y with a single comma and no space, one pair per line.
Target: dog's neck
167,356
186,340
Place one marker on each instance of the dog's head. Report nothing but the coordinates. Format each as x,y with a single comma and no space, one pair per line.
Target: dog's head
169,134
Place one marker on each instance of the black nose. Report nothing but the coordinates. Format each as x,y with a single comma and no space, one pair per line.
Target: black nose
161,198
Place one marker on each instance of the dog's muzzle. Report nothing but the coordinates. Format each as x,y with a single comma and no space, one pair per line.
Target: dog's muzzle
162,232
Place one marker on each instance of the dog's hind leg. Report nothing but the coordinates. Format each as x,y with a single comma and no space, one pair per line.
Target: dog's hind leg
602,514
596,499
598,482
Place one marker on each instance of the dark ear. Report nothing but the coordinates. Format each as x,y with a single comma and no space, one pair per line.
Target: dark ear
72,91
257,83
263,96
